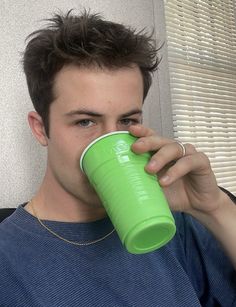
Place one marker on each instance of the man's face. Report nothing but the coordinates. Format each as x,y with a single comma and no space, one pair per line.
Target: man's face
88,104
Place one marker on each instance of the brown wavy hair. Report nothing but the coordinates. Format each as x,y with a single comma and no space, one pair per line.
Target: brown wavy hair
84,40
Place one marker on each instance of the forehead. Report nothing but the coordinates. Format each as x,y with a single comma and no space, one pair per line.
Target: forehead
75,75
75,85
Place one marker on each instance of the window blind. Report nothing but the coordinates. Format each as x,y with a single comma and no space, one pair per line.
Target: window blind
201,38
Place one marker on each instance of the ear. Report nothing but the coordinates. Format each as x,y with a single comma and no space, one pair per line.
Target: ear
37,127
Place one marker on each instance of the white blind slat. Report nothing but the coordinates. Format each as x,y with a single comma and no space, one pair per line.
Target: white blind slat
201,38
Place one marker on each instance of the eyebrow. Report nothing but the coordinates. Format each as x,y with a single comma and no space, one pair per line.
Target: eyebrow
96,114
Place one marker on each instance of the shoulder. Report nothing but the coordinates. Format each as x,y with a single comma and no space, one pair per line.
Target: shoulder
10,232
7,234
194,236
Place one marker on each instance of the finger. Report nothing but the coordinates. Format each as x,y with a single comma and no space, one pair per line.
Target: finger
186,149
150,143
195,164
141,131
167,156
148,140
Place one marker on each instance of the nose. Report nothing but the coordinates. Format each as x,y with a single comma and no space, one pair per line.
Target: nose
110,127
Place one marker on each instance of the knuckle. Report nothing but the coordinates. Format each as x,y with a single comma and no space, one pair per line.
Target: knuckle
204,158
151,132
174,171
190,148
160,157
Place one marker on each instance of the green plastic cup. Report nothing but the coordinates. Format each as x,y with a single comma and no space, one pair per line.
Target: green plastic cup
132,198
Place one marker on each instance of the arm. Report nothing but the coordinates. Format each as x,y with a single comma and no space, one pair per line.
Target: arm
190,185
222,224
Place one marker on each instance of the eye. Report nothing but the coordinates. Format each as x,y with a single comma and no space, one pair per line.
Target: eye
129,121
84,123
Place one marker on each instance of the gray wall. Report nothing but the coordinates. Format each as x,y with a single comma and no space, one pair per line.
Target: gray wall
22,162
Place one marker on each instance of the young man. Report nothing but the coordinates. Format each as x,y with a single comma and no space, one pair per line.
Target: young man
87,77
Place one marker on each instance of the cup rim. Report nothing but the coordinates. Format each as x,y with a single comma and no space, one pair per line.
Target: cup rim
95,141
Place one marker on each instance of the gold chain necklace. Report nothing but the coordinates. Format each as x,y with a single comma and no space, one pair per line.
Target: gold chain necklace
65,240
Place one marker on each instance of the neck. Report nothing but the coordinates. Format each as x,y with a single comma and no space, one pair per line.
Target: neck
53,203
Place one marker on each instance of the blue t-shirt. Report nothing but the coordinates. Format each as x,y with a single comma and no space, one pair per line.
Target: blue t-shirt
38,269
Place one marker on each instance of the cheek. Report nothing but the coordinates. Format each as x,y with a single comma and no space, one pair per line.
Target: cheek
63,153
66,145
